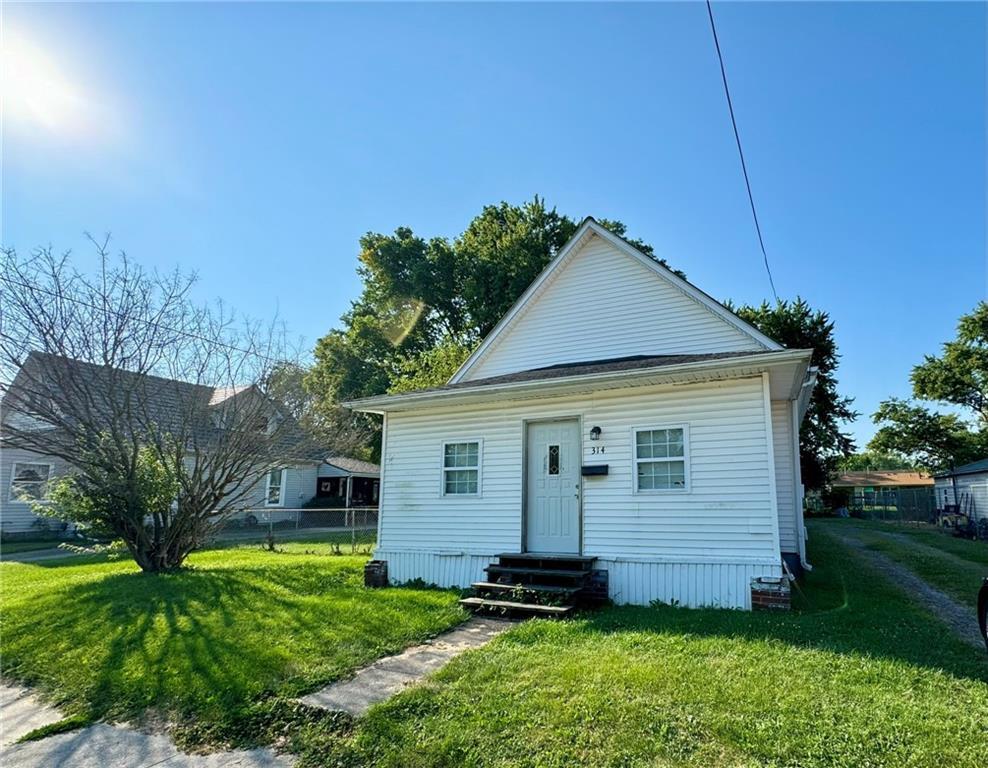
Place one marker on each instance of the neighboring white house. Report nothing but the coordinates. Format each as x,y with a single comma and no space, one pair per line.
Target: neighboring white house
965,486
615,412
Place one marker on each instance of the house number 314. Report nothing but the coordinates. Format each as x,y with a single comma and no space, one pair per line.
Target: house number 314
597,449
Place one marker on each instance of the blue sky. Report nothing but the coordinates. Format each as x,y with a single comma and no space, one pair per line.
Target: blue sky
256,143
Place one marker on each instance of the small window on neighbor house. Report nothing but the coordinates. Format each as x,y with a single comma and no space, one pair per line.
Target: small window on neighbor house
274,493
553,459
461,468
29,481
661,461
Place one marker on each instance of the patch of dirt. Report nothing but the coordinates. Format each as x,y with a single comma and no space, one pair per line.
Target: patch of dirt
962,620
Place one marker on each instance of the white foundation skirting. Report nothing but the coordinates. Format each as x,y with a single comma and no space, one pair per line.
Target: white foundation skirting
630,582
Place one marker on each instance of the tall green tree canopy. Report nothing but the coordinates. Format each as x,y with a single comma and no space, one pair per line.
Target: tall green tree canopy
426,303
823,441
957,377
870,461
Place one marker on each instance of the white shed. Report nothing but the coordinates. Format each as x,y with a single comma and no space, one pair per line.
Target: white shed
965,486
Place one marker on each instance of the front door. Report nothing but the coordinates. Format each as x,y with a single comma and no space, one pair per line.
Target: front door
553,487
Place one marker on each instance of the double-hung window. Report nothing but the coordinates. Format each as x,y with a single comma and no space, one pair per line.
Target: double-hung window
274,494
662,459
29,481
461,468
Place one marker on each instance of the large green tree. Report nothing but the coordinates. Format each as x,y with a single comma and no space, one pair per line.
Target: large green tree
957,377
426,303
869,461
823,441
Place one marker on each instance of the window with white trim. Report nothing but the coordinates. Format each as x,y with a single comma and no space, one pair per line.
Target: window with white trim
461,468
29,481
274,493
662,459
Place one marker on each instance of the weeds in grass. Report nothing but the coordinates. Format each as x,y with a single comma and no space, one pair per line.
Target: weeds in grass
65,725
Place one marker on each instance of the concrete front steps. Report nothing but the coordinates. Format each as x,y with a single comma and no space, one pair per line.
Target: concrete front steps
533,584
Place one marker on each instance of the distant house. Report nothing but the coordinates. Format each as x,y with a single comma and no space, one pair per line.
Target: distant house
357,483
25,475
873,480
965,486
618,419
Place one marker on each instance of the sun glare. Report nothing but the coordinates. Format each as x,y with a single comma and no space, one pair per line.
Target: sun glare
36,92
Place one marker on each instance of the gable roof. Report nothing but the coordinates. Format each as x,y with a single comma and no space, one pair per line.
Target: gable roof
167,401
587,229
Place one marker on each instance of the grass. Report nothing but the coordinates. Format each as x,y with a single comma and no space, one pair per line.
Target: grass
203,646
955,566
64,725
857,675
12,547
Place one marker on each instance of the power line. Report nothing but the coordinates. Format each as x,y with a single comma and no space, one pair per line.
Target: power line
737,138
105,310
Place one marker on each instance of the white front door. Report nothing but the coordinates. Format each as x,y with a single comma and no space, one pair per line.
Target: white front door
553,487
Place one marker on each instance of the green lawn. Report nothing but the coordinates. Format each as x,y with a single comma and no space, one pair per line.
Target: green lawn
856,677
241,625
953,565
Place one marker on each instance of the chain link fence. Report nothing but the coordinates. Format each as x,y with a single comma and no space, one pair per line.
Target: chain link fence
348,530
894,505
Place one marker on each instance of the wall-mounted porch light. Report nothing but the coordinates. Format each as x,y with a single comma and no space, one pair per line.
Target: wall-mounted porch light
595,433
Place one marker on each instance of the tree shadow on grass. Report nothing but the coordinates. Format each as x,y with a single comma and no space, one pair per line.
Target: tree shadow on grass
197,643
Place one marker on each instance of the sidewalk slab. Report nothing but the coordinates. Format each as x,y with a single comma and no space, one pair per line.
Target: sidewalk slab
101,745
21,711
113,746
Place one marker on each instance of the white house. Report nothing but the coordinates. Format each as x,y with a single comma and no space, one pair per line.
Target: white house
616,413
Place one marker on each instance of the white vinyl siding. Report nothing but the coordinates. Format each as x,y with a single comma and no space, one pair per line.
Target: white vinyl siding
971,493
461,468
604,304
785,475
661,459
727,515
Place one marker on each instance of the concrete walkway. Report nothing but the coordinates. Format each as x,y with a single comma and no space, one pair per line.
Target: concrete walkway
21,712
36,555
101,745
386,677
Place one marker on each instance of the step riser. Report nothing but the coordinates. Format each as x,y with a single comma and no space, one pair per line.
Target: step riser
555,564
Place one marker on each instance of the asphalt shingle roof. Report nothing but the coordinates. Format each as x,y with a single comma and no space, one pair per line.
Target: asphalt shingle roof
353,465
588,367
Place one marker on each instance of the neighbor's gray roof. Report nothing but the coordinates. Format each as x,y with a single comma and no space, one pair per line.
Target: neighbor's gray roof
587,367
967,469
353,466
165,399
